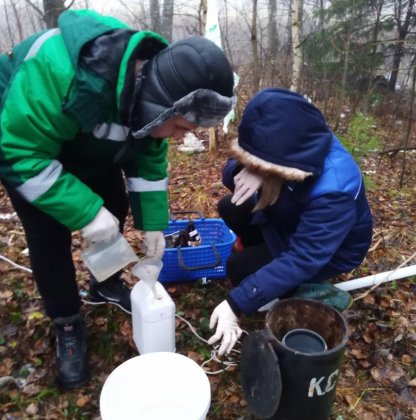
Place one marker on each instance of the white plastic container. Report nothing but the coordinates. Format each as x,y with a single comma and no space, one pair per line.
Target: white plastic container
156,386
153,310
104,259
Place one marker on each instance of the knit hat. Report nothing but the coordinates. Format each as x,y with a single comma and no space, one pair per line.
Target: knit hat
282,133
191,78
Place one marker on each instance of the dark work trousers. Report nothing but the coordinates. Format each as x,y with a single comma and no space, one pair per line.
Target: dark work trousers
49,243
255,254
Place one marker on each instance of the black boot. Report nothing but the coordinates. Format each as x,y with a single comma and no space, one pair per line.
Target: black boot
71,352
111,291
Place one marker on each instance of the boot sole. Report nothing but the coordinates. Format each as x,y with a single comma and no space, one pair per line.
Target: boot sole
72,385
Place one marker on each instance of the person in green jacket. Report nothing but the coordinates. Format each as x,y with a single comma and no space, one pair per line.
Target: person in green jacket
84,115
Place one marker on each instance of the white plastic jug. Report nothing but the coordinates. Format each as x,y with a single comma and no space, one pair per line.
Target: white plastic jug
104,259
153,310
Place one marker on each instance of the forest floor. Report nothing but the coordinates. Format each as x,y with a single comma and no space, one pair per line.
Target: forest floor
378,375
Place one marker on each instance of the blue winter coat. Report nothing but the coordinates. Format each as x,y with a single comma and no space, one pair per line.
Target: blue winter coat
316,229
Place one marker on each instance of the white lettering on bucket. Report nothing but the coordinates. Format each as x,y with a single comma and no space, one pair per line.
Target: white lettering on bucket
332,380
315,384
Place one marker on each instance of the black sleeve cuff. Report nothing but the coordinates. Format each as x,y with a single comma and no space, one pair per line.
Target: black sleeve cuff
234,307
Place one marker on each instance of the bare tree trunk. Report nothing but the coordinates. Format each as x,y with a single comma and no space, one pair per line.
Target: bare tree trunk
323,86
203,13
271,28
167,19
344,79
9,28
296,15
286,51
272,44
52,10
203,8
409,123
254,49
18,23
374,38
403,29
154,16
226,37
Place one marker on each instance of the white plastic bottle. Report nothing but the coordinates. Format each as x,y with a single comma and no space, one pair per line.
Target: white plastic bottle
106,258
153,310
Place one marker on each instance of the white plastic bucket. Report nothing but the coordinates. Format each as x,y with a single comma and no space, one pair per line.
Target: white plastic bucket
156,386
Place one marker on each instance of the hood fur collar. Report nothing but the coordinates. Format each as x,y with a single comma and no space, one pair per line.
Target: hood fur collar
262,166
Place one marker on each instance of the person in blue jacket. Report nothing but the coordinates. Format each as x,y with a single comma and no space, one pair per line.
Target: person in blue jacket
298,205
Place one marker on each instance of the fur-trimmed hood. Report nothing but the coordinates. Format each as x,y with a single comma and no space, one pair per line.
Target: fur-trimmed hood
282,133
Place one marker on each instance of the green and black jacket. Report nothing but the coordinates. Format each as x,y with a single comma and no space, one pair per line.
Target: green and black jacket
65,98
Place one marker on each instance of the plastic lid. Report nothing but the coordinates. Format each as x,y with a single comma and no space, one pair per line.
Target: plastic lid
260,374
153,386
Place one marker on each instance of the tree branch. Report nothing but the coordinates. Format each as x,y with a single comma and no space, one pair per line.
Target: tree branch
70,5
35,7
395,151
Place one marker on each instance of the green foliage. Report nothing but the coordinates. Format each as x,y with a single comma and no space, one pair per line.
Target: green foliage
18,286
360,138
376,98
361,375
346,33
24,372
204,323
16,318
47,393
393,285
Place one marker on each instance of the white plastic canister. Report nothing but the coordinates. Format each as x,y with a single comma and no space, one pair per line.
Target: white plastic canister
153,311
153,318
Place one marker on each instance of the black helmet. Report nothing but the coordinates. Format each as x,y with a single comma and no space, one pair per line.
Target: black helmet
192,78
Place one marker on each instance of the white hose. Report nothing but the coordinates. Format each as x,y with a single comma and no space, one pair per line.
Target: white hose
377,279
14,264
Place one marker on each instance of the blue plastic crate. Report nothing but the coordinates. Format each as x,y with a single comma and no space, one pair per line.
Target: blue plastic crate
206,260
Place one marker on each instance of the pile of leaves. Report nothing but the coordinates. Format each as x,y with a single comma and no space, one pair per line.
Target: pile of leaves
378,375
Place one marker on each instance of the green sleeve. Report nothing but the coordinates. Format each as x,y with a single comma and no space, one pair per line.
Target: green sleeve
147,182
33,129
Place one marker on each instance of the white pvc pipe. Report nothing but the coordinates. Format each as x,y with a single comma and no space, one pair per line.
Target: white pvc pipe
376,279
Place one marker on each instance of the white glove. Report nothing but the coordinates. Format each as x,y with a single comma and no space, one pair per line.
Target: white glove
246,184
103,228
227,327
154,244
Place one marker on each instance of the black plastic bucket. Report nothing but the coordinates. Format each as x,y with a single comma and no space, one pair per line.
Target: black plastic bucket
290,369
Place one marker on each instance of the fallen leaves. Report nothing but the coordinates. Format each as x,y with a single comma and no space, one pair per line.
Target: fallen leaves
387,375
377,379
83,400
